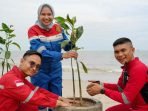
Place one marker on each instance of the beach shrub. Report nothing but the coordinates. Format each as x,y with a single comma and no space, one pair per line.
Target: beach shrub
74,32
6,41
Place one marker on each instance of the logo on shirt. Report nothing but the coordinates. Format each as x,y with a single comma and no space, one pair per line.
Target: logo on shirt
58,29
19,83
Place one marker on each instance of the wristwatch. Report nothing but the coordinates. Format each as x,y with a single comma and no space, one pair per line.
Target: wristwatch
102,91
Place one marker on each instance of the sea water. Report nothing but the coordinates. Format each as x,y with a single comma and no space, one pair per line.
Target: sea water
101,65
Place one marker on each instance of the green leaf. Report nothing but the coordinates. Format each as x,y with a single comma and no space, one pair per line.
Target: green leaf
67,32
69,20
79,32
59,19
11,36
7,54
10,30
6,28
65,26
84,67
64,43
73,39
16,44
76,48
2,41
74,20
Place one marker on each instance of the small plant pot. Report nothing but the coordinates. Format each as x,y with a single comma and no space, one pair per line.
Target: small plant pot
87,105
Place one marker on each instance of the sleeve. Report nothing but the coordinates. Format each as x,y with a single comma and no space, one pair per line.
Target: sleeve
116,87
25,94
133,87
46,92
37,45
46,99
111,86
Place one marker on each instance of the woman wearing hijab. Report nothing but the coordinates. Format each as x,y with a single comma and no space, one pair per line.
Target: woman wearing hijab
45,37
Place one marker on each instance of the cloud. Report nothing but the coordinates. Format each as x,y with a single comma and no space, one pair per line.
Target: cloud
103,20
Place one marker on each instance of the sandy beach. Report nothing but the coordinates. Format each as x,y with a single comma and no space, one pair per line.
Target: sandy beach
68,92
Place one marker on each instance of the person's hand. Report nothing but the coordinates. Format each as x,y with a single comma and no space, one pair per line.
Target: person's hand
94,81
70,54
61,103
68,101
93,89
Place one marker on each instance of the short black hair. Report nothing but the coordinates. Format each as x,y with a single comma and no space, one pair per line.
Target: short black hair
32,52
121,40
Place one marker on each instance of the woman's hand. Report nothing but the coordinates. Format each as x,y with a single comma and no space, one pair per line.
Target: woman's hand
70,54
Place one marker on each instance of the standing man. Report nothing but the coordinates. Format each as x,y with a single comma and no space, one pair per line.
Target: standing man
132,87
18,94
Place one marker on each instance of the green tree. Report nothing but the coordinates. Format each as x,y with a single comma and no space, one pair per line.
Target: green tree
6,41
74,32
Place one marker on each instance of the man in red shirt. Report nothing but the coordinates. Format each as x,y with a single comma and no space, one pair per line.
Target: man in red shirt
132,87
18,94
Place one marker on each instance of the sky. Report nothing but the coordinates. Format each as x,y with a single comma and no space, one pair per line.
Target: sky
103,20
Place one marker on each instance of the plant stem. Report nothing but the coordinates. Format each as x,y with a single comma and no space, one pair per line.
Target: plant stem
7,65
79,78
3,66
73,80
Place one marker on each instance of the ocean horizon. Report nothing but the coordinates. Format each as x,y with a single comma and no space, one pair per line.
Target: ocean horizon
100,64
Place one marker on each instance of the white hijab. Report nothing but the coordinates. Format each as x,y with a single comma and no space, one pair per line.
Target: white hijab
38,22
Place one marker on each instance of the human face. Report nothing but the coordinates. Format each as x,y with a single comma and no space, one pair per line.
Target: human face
124,53
46,16
30,65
